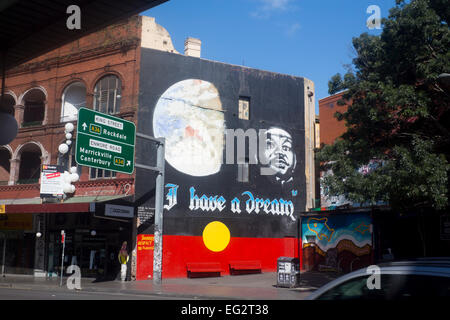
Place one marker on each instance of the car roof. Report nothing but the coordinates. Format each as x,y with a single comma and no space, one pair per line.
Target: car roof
438,262
421,266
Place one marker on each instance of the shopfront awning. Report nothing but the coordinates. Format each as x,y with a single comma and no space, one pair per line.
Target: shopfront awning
71,205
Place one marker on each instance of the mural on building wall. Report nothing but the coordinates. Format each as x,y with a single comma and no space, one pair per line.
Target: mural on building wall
190,116
245,203
218,206
337,242
217,203
279,155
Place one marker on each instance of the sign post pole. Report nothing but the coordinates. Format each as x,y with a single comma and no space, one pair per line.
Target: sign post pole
159,204
63,240
159,207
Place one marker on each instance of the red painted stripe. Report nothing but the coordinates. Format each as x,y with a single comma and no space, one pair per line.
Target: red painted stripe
47,208
180,250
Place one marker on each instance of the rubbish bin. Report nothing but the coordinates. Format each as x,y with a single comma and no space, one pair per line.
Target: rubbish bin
288,272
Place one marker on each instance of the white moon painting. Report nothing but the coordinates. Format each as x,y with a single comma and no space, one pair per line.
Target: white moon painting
190,116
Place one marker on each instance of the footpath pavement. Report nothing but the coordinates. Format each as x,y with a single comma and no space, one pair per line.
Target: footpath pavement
260,286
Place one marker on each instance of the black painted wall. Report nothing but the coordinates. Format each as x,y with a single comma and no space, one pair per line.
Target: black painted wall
276,100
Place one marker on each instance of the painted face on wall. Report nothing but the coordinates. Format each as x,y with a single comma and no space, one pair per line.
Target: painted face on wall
279,151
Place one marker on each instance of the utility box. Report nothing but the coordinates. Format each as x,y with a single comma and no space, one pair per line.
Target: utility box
288,272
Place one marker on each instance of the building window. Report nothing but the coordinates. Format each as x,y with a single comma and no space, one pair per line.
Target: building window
101,174
243,171
5,167
74,97
34,108
107,95
244,108
7,104
30,165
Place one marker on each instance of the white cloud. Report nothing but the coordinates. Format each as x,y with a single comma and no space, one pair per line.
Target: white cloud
292,29
275,4
280,13
267,7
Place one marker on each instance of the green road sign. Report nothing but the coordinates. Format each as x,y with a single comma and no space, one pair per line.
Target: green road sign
105,142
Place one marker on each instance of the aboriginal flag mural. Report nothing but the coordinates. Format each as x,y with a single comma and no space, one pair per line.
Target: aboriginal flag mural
234,184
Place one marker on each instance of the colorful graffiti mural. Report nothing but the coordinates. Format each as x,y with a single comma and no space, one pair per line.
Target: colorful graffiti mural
341,242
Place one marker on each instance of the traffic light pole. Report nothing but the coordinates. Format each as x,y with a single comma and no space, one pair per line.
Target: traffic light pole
159,204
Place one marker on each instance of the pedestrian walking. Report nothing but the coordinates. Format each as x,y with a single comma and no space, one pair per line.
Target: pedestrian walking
123,259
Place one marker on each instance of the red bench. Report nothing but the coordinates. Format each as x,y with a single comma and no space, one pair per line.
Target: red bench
245,267
203,269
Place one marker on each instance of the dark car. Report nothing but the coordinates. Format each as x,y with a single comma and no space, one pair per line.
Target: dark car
398,280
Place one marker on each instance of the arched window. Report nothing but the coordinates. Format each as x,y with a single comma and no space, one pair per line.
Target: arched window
7,104
73,98
107,94
34,102
30,164
5,157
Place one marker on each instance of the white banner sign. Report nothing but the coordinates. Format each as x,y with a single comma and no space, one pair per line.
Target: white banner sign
51,181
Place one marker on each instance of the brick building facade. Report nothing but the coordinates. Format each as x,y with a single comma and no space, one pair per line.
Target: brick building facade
99,71
333,128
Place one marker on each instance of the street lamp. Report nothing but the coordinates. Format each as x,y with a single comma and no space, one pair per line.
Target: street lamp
64,147
72,176
38,233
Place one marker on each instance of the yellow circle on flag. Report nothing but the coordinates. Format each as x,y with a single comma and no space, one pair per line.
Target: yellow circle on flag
216,236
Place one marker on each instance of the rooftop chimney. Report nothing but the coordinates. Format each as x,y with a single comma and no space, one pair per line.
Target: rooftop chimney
192,47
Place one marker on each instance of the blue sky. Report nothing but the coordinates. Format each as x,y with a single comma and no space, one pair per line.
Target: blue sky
305,38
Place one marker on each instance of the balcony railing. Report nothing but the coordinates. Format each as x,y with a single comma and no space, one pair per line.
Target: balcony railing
31,124
27,181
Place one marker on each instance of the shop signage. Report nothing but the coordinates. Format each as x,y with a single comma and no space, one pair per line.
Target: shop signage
105,142
145,242
145,214
23,221
2,209
119,211
52,181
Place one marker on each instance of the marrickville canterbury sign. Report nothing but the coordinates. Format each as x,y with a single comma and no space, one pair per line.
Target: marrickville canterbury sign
105,142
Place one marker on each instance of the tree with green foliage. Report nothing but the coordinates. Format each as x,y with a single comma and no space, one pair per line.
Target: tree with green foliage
398,112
